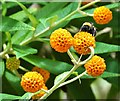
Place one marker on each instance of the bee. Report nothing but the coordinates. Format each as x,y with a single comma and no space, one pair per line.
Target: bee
88,27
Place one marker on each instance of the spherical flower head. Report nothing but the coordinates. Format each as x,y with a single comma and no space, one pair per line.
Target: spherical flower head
96,66
32,81
37,96
102,15
82,42
61,40
12,63
43,72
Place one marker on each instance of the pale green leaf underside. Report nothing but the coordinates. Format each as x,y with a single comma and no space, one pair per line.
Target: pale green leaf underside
9,24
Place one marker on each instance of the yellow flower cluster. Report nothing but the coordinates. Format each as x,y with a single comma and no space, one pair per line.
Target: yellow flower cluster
96,66
12,63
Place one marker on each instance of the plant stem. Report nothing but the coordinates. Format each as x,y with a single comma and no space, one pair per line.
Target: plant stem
69,81
80,58
63,19
91,55
62,80
24,69
89,4
84,13
9,45
71,56
33,38
69,73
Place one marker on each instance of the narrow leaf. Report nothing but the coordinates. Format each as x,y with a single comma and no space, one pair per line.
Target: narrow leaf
19,36
21,15
13,81
104,75
59,77
55,67
106,48
2,68
50,9
9,24
21,51
8,97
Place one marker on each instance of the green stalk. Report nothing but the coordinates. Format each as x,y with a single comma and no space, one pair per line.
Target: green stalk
24,69
34,38
9,45
72,80
61,81
69,73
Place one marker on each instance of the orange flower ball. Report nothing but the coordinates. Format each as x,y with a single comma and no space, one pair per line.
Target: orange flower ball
82,42
102,15
43,72
32,81
96,66
61,40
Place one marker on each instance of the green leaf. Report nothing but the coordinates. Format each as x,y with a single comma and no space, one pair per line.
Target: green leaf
21,15
19,36
9,24
2,68
55,67
59,77
104,75
80,92
9,97
11,4
26,96
50,9
30,16
13,81
67,10
106,48
21,51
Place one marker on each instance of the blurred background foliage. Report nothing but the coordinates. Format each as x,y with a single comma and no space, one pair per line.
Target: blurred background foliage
15,20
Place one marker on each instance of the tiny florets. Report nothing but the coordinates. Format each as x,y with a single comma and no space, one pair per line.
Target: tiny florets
61,40
32,81
82,42
12,63
43,72
102,15
37,96
96,66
